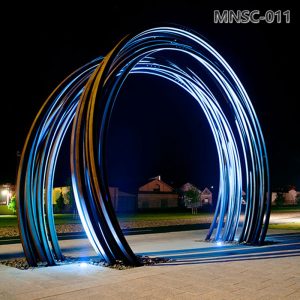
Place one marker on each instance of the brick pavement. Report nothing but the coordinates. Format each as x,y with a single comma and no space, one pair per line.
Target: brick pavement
200,270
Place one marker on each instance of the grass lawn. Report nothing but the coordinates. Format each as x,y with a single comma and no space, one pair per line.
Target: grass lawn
8,220
11,220
290,226
66,219
287,208
161,216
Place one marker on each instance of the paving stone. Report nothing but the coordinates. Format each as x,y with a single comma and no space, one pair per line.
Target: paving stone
272,277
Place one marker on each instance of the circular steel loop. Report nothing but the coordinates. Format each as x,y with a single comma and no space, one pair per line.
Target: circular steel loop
86,100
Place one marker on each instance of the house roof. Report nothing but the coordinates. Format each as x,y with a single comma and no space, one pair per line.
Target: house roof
156,181
206,191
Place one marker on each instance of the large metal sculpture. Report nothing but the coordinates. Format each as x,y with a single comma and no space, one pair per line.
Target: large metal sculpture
85,101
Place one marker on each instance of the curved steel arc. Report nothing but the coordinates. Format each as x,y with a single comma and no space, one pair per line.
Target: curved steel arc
37,165
238,137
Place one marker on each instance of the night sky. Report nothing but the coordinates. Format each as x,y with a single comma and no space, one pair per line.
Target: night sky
160,131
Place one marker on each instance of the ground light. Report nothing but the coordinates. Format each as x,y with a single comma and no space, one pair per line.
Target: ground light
85,101
83,265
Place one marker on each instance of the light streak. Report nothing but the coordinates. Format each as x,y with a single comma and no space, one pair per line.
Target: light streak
86,98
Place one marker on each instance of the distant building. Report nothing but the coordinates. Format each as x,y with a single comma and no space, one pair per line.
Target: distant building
157,194
273,198
206,197
290,196
122,202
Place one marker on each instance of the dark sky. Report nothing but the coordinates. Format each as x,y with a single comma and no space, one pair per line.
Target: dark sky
152,133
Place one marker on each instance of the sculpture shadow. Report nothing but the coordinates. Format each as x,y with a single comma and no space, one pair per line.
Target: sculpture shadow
275,246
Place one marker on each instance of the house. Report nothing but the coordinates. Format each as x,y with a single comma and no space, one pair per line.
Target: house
157,194
122,202
206,197
289,194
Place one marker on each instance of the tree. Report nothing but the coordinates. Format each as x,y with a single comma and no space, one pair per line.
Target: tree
71,199
60,203
13,204
279,199
192,198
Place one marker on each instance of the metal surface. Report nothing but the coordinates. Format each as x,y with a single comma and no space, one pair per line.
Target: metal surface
86,98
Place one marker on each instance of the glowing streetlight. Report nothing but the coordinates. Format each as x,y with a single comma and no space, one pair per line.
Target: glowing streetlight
7,193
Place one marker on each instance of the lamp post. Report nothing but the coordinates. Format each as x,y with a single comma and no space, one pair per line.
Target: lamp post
18,156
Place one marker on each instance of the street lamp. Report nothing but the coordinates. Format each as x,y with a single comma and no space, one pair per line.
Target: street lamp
6,193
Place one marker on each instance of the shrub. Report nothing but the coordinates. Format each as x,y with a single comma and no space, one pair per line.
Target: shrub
12,204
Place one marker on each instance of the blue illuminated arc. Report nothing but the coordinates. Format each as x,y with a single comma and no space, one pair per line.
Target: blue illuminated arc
85,101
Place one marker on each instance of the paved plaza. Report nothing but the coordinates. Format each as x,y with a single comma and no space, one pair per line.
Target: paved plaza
198,270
